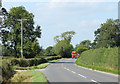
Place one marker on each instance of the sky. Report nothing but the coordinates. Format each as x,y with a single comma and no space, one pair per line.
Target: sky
58,16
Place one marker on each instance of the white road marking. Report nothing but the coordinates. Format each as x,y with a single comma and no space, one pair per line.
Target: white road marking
68,69
73,72
64,67
90,69
94,81
81,75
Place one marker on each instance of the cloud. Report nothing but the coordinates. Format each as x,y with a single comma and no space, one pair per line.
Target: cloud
60,0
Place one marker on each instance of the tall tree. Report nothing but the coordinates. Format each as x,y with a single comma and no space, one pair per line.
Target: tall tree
87,43
108,35
11,36
68,35
64,36
63,48
49,51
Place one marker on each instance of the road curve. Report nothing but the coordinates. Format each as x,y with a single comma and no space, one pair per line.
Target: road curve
67,71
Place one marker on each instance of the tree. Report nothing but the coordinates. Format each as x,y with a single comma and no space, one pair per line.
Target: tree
64,36
68,35
57,39
108,35
49,51
32,49
11,35
63,48
81,48
87,43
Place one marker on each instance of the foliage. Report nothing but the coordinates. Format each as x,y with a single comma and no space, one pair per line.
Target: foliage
103,57
64,36
81,48
40,66
108,35
31,62
11,37
0,50
87,43
53,58
7,71
32,49
63,48
84,45
49,51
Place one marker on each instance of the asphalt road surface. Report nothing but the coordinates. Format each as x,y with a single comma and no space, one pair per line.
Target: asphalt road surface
67,71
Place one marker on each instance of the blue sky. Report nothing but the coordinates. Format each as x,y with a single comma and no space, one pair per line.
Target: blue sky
58,16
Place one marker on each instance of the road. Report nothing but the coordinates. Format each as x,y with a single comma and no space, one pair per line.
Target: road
67,71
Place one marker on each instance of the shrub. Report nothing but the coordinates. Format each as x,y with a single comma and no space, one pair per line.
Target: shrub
15,62
7,71
53,58
24,63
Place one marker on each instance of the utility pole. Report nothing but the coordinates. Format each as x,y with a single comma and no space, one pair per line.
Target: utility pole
21,20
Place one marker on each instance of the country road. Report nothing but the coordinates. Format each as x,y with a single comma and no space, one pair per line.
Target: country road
67,71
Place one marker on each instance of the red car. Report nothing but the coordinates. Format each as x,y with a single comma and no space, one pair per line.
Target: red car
74,54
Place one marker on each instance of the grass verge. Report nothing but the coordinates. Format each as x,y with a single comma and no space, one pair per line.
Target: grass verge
97,68
29,76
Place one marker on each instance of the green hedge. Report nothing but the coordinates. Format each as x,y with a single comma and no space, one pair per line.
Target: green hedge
102,57
28,62
53,58
32,61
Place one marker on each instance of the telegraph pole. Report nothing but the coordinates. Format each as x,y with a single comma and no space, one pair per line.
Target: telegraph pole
21,20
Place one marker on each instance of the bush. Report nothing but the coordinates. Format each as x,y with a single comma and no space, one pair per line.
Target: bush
53,58
24,63
15,62
28,62
7,71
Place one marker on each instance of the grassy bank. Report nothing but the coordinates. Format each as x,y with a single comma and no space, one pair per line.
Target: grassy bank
104,59
29,76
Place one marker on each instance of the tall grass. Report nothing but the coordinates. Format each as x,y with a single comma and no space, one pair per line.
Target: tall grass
102,57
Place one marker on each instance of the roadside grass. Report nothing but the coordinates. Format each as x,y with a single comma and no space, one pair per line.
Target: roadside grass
103,59
40,66
38,76
98,68
29,76
21,77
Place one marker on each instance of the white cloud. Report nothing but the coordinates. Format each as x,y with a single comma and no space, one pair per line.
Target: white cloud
60,0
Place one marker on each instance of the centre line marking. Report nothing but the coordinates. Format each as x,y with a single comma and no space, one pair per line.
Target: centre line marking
73,72
68,69
81,75
64,67
95,81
